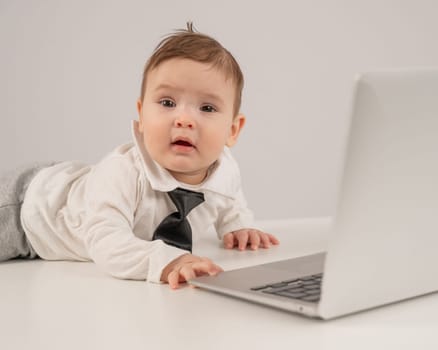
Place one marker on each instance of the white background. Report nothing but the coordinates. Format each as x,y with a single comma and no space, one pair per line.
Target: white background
70,74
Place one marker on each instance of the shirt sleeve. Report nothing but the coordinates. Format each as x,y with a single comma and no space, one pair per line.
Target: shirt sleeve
234,216
111,198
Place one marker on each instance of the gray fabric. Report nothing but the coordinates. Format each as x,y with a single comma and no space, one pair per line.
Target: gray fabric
13,186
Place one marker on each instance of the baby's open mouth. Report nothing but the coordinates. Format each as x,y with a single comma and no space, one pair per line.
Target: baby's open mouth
182,143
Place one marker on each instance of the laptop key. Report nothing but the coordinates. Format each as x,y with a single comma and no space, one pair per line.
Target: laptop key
281,289
313,292
291,280
312,286
296,290
308,283
278,285
307,278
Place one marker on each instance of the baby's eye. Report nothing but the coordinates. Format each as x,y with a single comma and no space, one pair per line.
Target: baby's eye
165,102
208,108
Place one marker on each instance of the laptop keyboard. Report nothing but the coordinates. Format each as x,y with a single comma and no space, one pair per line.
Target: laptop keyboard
304,288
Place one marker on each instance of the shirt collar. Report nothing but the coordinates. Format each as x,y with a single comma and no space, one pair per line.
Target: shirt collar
223,177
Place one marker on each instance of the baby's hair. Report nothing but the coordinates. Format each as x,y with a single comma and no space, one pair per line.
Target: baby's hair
191,44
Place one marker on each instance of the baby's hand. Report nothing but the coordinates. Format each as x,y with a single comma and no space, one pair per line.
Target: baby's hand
249,238
188,266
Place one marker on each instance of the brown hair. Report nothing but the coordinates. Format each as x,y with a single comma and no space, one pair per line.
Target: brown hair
190,44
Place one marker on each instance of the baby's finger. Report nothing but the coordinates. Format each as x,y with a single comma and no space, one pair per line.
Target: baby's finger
242,238
228,241
206,266
173,279
266,242
254,239
186,273
273,239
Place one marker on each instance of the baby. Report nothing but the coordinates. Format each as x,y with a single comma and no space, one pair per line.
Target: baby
134,212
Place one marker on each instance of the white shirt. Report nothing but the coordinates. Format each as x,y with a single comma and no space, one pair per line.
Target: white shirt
108,212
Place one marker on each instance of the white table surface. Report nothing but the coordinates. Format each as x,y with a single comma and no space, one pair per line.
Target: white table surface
71,305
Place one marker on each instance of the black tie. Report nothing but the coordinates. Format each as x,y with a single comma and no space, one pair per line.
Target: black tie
175,229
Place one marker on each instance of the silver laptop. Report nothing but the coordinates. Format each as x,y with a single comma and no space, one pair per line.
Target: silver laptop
383,244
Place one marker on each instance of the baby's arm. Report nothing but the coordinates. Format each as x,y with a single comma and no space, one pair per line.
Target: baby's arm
111,198
186,267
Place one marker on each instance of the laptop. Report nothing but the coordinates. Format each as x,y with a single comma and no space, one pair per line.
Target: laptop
383,243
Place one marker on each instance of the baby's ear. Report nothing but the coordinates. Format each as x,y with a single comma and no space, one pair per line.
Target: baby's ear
139,107
236,126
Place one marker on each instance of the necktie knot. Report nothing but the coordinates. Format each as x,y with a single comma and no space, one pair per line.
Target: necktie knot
185,200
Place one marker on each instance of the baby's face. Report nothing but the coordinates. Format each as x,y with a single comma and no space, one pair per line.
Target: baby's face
186,117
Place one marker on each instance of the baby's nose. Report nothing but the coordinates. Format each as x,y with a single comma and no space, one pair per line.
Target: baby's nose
184,123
